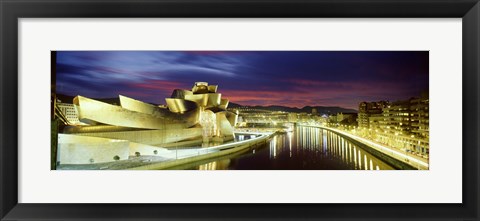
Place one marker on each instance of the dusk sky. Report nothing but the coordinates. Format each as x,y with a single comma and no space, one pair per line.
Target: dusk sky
288,78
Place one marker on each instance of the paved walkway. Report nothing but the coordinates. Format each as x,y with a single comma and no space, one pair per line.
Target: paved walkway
196,151
415,161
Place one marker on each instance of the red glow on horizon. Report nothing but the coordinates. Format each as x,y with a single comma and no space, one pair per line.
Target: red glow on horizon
159,85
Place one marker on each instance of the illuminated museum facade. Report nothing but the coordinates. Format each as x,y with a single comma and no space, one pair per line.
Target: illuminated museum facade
135,127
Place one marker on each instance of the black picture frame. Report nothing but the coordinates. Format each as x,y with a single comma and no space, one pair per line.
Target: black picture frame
12,10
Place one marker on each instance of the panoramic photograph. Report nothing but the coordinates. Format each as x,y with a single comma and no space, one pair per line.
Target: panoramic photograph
239,110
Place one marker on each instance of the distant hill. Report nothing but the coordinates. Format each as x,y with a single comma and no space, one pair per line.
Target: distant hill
234,105
306,109
328,110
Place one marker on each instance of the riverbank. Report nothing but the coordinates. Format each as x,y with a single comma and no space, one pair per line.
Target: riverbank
176,157
392,156
211,152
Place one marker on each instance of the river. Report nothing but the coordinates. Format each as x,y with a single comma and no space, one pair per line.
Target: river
305,148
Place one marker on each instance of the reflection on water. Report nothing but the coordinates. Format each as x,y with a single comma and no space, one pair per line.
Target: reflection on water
305,148
215,165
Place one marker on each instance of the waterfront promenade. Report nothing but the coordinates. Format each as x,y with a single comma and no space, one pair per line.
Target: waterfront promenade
176,156
186,156
412,160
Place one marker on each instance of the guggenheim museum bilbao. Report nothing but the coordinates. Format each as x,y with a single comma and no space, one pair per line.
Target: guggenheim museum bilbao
100,132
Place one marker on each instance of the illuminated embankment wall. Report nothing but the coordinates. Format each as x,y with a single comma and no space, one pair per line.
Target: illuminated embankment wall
75,149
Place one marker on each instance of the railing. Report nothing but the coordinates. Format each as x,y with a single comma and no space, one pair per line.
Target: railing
186,153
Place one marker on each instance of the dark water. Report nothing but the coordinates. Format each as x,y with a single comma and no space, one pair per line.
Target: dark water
305,148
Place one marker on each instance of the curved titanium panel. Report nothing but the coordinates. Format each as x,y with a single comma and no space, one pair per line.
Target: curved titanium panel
223,125
214,99
95,129
180,105
232,118
200,99
200,88
212,88
180,94
142,107
224,103
90,109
